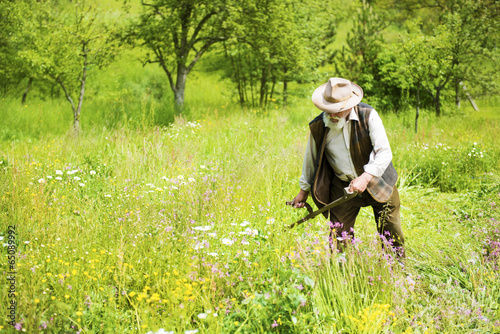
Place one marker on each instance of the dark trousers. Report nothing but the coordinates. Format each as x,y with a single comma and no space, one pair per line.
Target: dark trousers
387,216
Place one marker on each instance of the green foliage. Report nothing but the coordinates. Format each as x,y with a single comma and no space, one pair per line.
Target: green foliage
176,34
449,168
275,41
63,43
11,68
372,62
281,304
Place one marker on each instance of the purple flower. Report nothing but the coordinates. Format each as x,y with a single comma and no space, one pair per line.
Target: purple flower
18,326
275,324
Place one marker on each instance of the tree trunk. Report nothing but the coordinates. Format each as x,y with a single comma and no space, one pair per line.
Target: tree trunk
237,73
76,121
180,87
25,94
285,88
437,100
457,93
263,86
272,88
418,111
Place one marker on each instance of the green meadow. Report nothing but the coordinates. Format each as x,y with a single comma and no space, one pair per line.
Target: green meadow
150,222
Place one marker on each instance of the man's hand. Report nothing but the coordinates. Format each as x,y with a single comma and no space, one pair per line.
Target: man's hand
359,184
300,199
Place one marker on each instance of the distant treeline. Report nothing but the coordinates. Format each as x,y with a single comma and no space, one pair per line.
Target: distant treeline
400,51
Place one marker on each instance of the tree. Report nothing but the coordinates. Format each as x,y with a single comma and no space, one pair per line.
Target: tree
177,33
371,61
12,68
474,44
430,60
65,42
274,41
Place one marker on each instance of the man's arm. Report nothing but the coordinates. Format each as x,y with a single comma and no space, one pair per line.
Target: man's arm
307,173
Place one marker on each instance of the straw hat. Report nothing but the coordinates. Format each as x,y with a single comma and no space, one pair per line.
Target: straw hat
337,95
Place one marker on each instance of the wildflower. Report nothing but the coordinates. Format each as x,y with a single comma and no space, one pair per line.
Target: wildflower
37,300
227,241
26,242
82,185
59,172
49,177
76,178
18,326
202,167
180,177
41,181
59,178
202,315
203,228
191,331
245,223
275,324
92,172
161,331
213,254
191,179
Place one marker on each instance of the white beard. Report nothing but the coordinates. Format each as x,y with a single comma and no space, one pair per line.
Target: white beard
329,124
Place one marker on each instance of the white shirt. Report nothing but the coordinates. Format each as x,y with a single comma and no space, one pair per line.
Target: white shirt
337,151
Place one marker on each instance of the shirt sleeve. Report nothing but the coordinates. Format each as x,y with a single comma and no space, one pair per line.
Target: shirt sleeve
306,178
381,156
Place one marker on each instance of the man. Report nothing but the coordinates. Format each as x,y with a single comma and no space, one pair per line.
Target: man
348,147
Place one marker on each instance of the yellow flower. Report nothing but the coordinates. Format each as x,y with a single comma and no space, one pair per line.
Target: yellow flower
74,272
79,313
66,296
37,301
132,294
52,297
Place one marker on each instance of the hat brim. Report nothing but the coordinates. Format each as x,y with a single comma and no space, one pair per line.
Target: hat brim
318,98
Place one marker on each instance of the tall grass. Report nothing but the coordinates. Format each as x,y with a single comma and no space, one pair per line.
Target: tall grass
150,220
138,227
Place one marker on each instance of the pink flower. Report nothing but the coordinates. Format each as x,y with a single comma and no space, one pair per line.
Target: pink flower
275,324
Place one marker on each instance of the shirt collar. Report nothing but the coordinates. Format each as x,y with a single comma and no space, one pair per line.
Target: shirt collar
353,116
